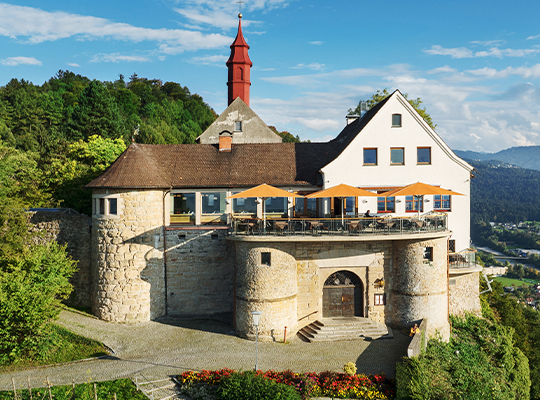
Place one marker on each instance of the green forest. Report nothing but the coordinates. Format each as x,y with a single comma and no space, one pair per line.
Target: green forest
504,193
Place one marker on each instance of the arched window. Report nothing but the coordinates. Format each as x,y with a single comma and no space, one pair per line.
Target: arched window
239,73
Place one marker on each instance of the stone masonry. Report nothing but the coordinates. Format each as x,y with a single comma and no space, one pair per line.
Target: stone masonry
67,227
128,251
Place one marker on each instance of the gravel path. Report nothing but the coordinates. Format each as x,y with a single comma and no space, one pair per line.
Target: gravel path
157,349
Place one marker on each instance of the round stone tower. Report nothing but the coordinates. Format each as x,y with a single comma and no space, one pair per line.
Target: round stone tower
127,255
265,281
420,284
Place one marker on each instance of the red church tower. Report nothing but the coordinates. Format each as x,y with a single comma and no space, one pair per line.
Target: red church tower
239,66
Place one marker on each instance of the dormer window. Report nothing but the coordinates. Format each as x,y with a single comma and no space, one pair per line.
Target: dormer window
396,120
238,126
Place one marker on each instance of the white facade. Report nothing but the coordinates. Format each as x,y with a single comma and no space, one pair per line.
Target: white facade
445,169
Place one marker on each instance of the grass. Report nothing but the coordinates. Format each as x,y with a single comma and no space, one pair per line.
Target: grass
509,281
58,346
125,389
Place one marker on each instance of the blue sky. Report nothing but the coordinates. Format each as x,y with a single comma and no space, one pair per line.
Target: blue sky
475,64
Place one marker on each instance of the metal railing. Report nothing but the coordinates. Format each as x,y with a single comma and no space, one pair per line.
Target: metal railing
462,259
339,226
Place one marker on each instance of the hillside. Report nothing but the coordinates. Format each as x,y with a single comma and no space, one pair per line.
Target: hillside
522,156
503,192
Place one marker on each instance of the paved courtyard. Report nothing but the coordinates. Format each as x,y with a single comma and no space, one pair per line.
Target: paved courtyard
155,350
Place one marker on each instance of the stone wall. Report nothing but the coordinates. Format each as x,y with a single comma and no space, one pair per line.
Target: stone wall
294,281
464,294
200,272
266,281
72,229
127,251
420,286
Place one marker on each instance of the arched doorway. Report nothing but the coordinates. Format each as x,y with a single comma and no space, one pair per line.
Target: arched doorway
343,295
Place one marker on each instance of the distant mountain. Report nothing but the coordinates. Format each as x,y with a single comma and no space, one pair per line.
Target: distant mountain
504,192
522,156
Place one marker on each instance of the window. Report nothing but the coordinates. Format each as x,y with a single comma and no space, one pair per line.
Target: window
238,126
213,207
276,205
101,206
428,253
380,299
266,258
305,207
183,208
414,203
452,246
370,156
423,155
441,202
245,206
113,206
396,120
397,156
386,204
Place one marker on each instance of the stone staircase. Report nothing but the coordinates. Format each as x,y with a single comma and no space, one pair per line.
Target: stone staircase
333,329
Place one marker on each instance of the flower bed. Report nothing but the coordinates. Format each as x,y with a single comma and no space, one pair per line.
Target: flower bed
311,384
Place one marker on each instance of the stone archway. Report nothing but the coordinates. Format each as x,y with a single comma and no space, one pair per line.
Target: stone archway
343,295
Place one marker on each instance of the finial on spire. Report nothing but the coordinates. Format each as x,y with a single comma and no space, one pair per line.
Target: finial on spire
240,5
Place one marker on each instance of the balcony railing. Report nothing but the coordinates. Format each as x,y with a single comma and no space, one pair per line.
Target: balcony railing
462,259
339,226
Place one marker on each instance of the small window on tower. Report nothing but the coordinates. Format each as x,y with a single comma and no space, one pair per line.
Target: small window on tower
238,126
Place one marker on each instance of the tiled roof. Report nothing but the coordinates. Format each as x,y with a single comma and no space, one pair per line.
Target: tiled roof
202,165
247,165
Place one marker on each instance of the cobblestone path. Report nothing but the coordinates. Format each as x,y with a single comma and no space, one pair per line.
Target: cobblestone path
158,349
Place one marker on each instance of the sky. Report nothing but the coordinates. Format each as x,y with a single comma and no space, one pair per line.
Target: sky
475,64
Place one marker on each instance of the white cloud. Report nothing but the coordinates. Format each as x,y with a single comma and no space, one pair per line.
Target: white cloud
255,32
117,57
39,26
222,14
533,37
463,52
316,42
489,42
14,61
312,66
210,60
442,70
457,52
524,72
73,64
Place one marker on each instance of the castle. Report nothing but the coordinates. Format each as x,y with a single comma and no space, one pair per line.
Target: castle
168,240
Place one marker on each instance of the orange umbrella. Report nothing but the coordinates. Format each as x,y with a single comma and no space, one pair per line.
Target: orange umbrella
419,189
263,191
341,191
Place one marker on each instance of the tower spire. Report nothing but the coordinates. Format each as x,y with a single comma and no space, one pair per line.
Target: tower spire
239,66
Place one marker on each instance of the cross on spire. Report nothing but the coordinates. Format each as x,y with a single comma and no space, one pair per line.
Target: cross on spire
240,5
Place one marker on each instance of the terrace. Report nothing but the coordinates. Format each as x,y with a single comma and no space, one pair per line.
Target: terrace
361,226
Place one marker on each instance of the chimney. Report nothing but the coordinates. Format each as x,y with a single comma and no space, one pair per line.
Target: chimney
225,143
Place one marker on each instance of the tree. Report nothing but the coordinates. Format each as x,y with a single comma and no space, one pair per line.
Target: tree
380,96
97,114
31,288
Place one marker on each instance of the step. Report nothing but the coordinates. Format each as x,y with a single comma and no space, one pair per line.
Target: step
344,329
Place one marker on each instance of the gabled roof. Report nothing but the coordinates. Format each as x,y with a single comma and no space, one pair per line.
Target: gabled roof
254,130
200,165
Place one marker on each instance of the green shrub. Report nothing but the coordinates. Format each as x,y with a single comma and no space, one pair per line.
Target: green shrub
479,362
249,386
31,288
